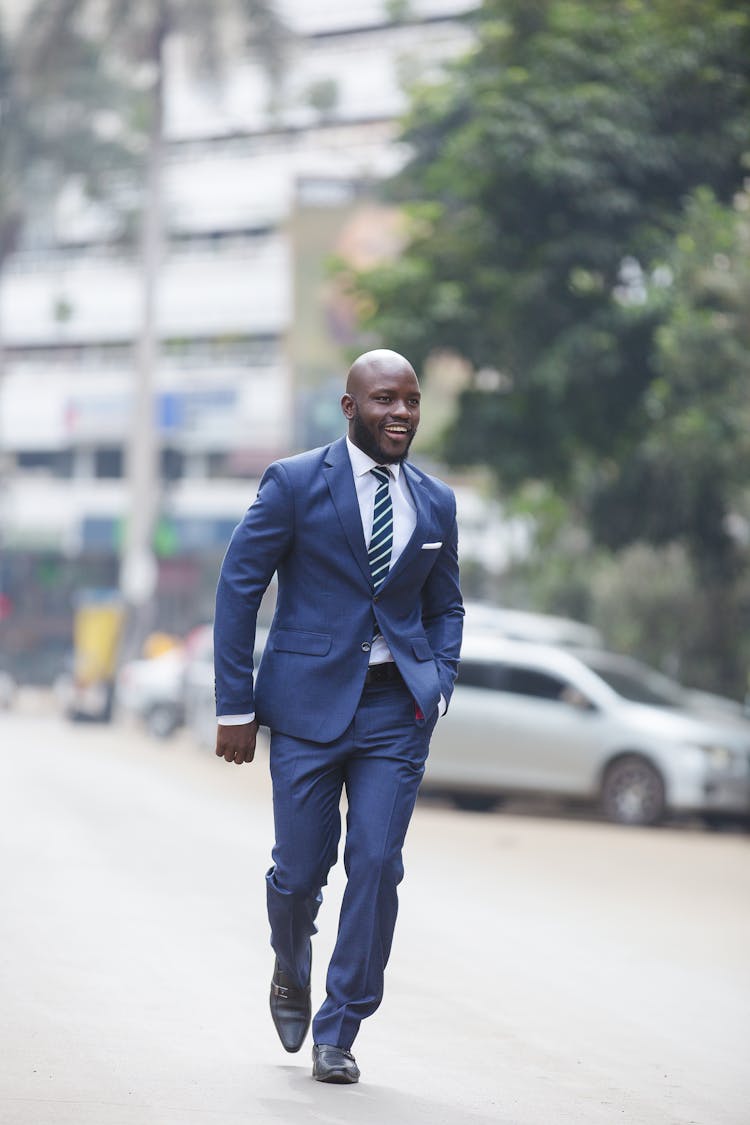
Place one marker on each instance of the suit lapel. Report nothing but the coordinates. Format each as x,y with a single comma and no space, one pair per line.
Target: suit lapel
340,481
422,506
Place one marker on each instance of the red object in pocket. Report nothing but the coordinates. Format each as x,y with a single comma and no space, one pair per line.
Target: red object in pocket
417,713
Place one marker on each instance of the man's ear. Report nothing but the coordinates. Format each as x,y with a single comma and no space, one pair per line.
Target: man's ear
348,406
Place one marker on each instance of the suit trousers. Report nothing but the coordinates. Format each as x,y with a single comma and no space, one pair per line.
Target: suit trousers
379,760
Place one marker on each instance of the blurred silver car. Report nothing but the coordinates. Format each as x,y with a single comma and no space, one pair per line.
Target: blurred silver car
198,683
520,625
535,719
150,689
198,687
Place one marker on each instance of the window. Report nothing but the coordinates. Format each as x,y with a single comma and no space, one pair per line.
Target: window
172,464
108,463
54,463
529,681
494,675
482,674
637,682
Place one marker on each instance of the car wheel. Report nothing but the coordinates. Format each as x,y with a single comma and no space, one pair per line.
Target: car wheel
633,792
162,721
475,802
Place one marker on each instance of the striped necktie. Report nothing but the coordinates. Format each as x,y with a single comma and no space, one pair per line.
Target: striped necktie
381,540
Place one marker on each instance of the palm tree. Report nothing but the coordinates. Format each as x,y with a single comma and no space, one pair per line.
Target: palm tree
137,31
53,89
142,29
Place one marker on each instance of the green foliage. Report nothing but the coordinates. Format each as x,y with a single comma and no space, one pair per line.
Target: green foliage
323,96
690,468
646,600
397,10
55,92
560,150
569,197
686,479
72,97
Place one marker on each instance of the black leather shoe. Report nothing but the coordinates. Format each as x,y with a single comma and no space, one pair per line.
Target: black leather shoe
334,1064
290,1009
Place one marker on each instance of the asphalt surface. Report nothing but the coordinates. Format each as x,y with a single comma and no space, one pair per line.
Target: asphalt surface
545,971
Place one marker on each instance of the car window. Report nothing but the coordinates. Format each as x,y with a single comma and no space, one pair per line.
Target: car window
637,682
493,675
482,674
529,681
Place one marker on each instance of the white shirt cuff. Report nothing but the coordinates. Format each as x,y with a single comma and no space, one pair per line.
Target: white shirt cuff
442,706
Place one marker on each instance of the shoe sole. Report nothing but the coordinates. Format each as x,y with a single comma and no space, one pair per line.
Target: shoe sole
338,1077
290,1046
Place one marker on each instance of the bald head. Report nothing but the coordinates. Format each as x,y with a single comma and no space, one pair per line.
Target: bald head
380,361
381,404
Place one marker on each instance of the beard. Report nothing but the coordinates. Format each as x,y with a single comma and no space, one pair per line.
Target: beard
365,440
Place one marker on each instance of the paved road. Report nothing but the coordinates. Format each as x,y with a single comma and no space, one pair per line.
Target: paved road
544,972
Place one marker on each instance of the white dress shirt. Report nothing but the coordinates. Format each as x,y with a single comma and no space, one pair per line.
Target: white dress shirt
404,522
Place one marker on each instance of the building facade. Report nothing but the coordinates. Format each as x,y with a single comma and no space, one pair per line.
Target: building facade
252,337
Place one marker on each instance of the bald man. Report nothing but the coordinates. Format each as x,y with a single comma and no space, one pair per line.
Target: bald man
359,664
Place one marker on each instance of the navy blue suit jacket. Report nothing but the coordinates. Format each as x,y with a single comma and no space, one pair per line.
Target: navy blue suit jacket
305,525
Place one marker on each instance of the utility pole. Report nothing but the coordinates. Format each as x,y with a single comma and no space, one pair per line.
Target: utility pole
138,573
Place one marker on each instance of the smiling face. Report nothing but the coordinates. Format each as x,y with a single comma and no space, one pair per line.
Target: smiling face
382,405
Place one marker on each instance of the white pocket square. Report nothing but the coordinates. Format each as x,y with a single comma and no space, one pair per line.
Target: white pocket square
431,546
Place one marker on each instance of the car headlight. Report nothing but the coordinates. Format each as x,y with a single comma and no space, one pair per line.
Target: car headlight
719,757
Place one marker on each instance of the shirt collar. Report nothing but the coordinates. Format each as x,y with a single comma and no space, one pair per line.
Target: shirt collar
362,462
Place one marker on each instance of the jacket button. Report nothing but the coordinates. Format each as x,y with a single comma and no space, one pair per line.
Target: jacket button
376,598
365,646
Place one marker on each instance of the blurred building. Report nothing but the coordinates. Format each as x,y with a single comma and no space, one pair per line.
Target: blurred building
252,331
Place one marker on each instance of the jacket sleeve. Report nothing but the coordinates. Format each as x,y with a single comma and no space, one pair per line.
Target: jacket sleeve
443,610
255,550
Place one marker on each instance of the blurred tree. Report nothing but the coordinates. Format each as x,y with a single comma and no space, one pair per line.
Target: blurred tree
548,172
690,469
135,34
546,188
324,96
139,30
53,118
688,477
52,130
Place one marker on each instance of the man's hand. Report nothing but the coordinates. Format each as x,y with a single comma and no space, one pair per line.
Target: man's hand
237,743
